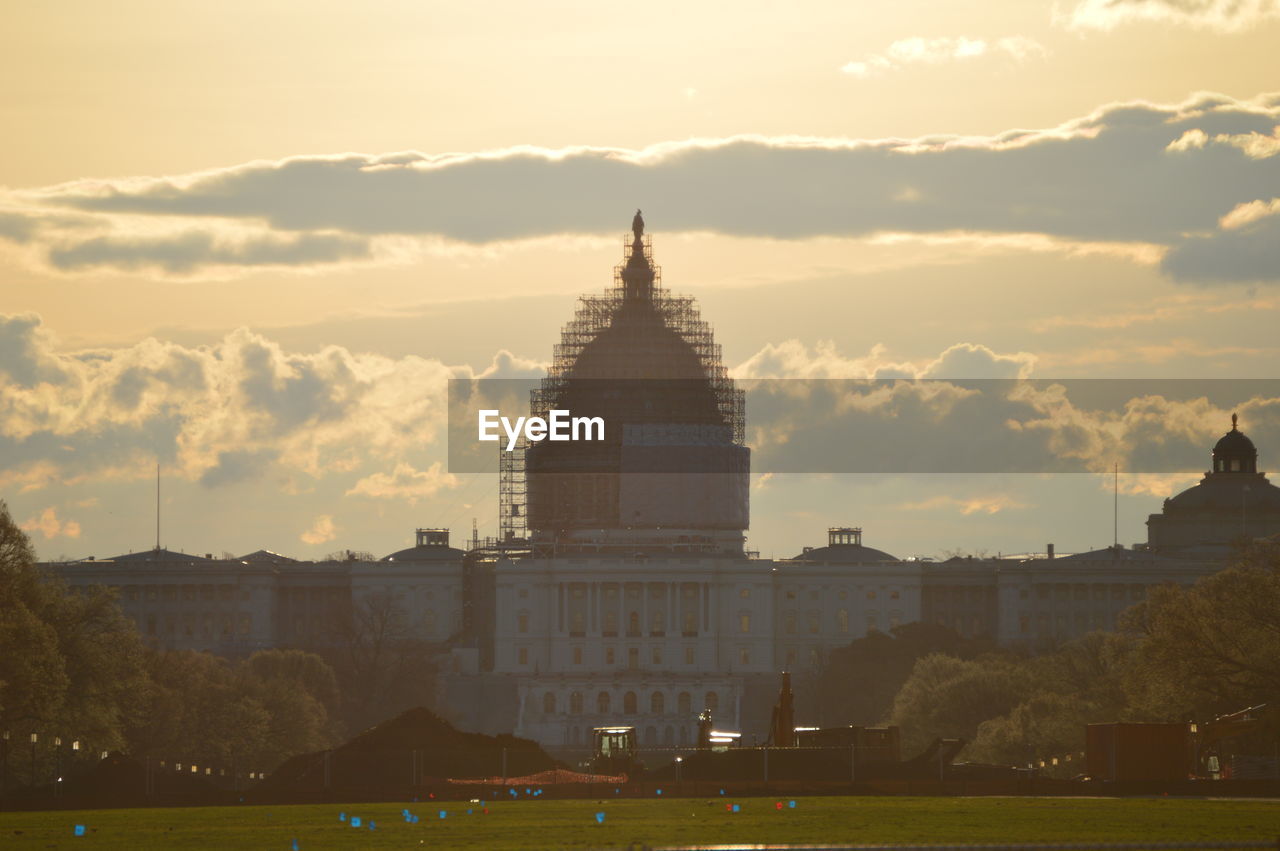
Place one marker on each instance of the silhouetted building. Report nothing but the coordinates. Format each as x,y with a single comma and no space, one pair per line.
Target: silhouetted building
1232,502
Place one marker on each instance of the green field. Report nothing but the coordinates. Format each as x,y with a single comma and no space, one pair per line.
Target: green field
572,824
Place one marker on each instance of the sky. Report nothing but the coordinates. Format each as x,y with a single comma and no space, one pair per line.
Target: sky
252,242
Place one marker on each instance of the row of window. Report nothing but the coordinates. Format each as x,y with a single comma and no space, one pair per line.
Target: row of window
207,626
187,593
604,703
656,656
1084,591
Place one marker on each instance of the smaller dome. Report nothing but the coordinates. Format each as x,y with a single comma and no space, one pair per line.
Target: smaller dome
1234,442
1235,452
844,546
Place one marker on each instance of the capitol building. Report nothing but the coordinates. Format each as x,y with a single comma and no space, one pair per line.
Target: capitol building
621,590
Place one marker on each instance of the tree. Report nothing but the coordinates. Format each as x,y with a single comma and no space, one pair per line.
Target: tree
1214,647
382,668
71,666
949,697
858,683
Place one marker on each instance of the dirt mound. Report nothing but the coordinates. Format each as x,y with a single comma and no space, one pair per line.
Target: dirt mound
414,750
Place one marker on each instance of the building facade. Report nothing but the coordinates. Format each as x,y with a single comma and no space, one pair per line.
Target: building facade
630,597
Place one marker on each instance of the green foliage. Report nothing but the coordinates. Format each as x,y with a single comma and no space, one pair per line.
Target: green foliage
859,682
254,714
1212,648
71,665
950,697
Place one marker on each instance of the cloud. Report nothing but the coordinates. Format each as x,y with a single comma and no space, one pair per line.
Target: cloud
322,530
405,483
794,359
965,505
934,51
188,252
975,410
217,414
1134,175
1226,16
48,524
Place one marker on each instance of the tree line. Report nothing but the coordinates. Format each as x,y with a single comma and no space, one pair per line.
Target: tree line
74,668
1182,654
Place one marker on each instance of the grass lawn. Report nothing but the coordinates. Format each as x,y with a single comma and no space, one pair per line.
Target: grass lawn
572,824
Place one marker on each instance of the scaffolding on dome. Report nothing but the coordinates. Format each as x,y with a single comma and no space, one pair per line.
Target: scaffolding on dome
512,489
679,313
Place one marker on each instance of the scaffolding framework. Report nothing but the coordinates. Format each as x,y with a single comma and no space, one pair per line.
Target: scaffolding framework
513,524
596,313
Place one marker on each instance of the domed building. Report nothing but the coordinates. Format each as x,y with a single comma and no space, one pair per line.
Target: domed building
1233,501
671,473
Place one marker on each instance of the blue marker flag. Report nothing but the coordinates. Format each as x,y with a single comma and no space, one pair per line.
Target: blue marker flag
659,791
791,804
295,845
736,808
342,816
373,825
79,831
599,818
443,814
355,821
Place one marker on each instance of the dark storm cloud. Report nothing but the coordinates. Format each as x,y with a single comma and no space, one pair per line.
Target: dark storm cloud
187,252
1249,253
1136,172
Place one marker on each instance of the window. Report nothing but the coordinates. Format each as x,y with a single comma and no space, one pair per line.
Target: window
744,622
549,703
842,621
131,593
608,655
523,593
577,655
893,595
813,623
871,595
690,624
744,593
522,656
188,593
633,658
629,703
1024,624
602,703
684,703
206,593
575,703
789,623
744,656
657,655
871,623
712,701
610,623
522,622
226,593
151,624
246,623
633,624
689,655
791,595
657,703
658,624
844,595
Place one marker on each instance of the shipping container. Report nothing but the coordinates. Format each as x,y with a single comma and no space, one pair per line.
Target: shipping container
1139,751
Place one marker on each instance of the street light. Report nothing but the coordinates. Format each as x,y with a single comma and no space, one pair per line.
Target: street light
35,737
